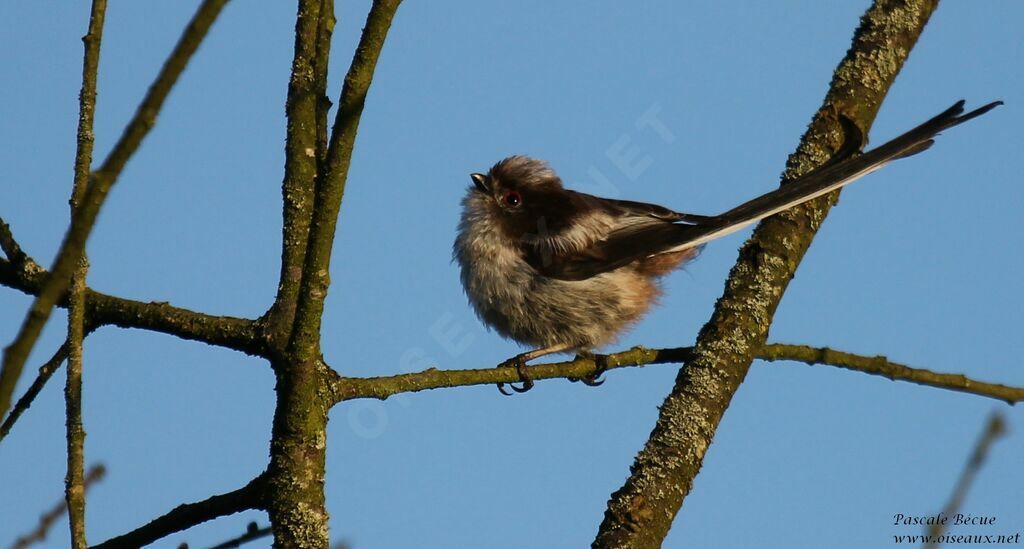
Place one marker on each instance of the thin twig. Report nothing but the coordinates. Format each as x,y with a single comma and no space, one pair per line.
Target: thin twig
46,371
46,521
349,388
102,180
188,515
252,533
9,245
74,481
994,430
74,489
882,366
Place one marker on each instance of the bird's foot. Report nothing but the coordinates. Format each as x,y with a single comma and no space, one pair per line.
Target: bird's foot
519,363
601,363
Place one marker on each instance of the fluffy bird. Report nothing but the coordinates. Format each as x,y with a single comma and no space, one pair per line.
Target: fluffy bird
560,270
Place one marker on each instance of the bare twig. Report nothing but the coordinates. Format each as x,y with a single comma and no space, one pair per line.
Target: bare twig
102,180
188,515
45,373
994,430
252,533
298,452
9,245
46,521
74,481
350,388
881,366
74,489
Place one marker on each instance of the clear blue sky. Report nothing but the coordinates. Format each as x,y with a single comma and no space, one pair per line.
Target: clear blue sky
920,262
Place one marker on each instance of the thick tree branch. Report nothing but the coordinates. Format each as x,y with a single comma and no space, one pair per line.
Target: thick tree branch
298,511
74,481
641,512
102,180
351,388
240,334
188,515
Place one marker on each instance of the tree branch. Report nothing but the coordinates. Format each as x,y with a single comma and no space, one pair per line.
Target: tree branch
351,388
240,334
101,309
46,371
881,366
188,515
47,520
641,512
74,481
253,532
381,388
331,187
10,246
298,447
305,151
995,428
73,247
74,487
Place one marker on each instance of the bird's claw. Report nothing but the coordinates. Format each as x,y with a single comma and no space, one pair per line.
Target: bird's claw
601,366
527,382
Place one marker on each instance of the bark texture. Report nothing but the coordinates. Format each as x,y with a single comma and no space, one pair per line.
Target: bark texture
641,512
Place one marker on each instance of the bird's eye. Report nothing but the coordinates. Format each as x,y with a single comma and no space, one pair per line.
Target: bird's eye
511,199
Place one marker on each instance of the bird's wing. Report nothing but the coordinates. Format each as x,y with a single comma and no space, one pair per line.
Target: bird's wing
629,208
634,240
641,230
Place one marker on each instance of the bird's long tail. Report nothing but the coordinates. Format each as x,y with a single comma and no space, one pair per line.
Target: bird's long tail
845,168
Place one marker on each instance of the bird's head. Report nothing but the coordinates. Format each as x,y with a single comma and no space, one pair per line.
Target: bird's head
523,196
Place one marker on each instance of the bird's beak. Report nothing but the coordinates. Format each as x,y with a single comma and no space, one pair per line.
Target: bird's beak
481,182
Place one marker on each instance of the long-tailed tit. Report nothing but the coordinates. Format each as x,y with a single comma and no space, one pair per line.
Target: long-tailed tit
561,270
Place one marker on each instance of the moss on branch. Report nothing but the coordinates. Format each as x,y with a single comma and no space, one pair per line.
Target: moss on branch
640,513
